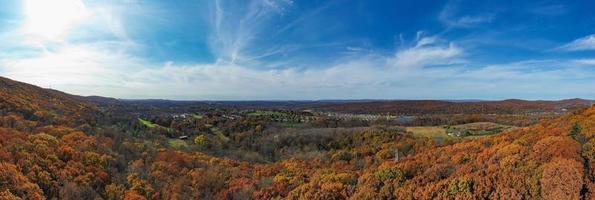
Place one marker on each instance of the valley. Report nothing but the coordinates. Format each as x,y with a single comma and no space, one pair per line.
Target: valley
60,146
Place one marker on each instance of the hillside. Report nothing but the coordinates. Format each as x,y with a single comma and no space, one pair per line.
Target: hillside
44,151
49,149
552,160
36,106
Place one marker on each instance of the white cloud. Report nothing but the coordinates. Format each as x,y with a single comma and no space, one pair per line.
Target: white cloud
236,27
99,70
581,44
585,61
80,69
427,51
448,16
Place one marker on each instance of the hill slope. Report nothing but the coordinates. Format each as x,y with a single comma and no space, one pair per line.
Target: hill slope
37,106
44,153
552,160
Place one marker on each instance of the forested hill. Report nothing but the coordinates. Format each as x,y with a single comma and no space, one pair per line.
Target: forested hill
34,106
45,152
554,159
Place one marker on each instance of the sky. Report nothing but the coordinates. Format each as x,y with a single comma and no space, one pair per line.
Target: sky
302,50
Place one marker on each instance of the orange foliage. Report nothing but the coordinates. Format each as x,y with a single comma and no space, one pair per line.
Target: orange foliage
46,151
561,179
17,184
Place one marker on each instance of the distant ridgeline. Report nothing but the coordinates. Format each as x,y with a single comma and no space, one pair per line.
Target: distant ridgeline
424,107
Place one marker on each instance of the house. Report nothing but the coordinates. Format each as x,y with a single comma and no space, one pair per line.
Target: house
182,116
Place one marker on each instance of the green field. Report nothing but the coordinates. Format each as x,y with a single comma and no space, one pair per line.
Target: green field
267,113
292,125
177,143
147,123
152,125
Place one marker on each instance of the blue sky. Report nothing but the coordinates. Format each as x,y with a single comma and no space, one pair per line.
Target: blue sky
290,49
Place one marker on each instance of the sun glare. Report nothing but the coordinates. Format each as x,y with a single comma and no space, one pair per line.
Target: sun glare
51,20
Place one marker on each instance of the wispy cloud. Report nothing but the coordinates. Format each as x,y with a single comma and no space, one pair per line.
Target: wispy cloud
450,17
585,61
305,17
236,28
427,51
550,10
580,44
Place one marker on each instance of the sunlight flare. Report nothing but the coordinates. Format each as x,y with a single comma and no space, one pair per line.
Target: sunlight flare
52,20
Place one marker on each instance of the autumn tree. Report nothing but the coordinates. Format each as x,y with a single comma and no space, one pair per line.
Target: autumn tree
13,181
561,179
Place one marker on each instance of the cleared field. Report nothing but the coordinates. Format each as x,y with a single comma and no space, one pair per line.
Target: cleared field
477,129
429,131
152,125
268,114
471,130
177,143
147,123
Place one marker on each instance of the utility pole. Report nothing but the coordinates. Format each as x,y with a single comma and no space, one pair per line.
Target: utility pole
396,155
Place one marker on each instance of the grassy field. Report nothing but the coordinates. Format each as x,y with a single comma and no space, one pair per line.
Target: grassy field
150,124
146,123
177,143
292,125
429,131
267,113
470,131
477,129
